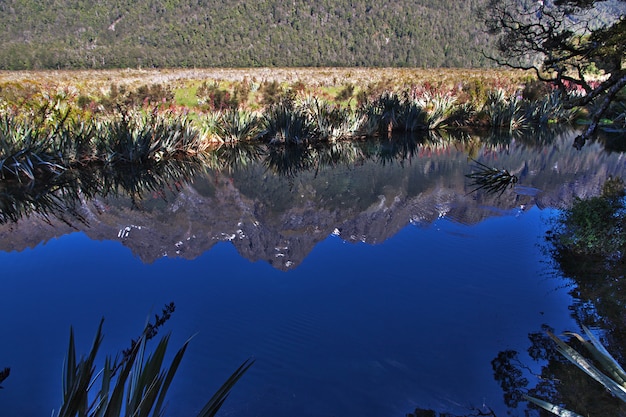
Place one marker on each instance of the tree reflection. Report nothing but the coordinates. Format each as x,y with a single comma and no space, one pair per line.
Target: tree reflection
559,381
587,246
583,252
58,197
62,196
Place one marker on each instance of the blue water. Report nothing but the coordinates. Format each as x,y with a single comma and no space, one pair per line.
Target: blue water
355,329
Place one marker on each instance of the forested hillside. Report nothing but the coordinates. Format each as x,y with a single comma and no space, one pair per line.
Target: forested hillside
238,33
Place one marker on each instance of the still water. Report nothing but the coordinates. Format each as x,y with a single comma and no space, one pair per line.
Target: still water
371,284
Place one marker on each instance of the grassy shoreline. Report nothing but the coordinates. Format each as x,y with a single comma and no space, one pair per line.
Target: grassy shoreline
51,121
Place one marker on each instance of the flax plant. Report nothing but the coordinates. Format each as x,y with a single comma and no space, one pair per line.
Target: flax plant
236,125
602,367
439,109
25,149
550,110
503,112
329,122
208,125
137,138
367,122
491,179
413,117
287,124
133,385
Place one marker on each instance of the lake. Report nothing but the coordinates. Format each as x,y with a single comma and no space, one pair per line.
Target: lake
363,279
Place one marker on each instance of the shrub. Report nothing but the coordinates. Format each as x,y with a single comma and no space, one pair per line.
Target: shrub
216,98
595,226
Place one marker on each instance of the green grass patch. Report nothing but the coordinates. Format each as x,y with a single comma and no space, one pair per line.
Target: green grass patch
186,96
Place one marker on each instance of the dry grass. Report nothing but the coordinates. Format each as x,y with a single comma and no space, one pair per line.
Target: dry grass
90,82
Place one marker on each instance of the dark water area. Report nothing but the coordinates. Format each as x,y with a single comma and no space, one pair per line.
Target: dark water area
364,280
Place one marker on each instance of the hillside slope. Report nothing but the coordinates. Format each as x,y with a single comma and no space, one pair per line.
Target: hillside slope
239,33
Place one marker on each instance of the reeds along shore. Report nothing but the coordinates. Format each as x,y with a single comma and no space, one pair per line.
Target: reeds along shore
43,134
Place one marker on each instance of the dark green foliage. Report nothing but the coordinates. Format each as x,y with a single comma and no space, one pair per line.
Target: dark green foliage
391,112
595,226
120,34
46,143
329,122
135,138
26,149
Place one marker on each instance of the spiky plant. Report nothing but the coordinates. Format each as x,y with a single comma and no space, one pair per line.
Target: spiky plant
413,117
25,149
286,123
440,108
208,127
136,138
133,386
602,367
504,112
75,144
491,179
550,109
389,106
367,121
329,122
236,125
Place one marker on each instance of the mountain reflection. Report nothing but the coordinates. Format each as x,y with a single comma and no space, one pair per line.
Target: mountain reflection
276,203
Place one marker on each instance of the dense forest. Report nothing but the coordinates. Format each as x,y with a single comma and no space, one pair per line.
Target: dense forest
238,33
